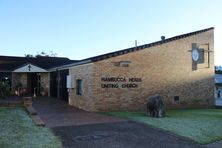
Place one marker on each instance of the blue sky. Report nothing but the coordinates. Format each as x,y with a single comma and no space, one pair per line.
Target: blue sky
83,28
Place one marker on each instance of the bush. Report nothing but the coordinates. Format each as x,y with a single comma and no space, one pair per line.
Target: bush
4,89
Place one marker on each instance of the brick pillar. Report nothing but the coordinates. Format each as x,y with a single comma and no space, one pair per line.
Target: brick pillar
27,101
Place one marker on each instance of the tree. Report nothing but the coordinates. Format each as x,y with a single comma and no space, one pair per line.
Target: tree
28,55
42,54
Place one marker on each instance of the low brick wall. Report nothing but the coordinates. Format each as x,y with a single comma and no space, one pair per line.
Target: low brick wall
27,102
11,102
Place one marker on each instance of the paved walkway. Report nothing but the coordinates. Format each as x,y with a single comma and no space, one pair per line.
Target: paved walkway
126,134
55,112
81,129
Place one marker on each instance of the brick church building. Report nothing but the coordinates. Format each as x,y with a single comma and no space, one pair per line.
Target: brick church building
181,69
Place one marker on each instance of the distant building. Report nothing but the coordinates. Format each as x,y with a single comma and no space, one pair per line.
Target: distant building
218,68
218,87
181,69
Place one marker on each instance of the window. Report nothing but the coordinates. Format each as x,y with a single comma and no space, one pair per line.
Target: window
176,99
79,87
202,56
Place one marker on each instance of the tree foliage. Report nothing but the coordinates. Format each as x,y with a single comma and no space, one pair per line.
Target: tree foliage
42,54
4,89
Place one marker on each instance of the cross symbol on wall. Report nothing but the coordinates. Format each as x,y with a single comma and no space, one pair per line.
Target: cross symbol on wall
29,67
206,50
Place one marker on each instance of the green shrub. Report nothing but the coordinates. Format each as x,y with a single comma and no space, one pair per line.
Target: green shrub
18,86
4,89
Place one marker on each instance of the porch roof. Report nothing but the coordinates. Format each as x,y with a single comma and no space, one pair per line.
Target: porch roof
28,68
10,63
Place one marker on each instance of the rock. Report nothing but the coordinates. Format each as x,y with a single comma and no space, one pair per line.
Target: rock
155,106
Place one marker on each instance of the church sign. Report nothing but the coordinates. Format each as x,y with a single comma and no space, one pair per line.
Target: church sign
120,82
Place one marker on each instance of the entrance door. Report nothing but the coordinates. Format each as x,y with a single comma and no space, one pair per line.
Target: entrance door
53,84
33,82
63,92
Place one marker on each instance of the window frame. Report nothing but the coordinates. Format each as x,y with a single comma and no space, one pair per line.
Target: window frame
79,90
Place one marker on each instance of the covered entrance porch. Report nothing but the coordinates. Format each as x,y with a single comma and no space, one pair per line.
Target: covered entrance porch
30,80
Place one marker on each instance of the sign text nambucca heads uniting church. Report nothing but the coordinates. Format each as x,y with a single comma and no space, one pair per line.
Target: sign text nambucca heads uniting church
120,82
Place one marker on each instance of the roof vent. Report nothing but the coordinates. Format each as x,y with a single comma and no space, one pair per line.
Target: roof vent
162,38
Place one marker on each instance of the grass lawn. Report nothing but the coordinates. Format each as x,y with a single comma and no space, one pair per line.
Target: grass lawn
201,125
18,130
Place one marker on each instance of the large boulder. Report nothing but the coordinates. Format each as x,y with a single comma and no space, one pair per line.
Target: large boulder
155,106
